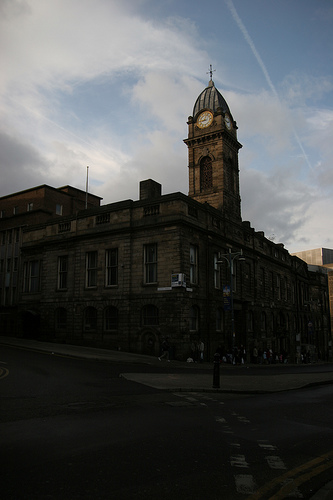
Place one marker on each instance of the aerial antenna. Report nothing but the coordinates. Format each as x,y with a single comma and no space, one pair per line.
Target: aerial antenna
86,205
211,71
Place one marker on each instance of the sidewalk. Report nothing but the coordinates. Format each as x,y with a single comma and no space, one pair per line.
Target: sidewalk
193,378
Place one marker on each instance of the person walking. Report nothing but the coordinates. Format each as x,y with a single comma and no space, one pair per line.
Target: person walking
201,348
165,350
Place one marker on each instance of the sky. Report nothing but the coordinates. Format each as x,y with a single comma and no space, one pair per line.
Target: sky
110,84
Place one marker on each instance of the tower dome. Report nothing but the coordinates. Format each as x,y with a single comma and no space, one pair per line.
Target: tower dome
210,98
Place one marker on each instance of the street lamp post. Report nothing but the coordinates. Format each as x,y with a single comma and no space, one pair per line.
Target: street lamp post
230,257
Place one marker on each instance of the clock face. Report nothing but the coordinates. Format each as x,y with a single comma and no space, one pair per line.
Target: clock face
205,119
227,121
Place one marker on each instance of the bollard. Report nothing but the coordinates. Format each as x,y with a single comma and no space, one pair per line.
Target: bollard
216,372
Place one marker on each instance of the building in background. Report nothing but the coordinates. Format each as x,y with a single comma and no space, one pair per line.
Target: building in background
317,256
21,210
127,274
321,259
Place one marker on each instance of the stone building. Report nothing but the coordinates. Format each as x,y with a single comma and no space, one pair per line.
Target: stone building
21,210
127,274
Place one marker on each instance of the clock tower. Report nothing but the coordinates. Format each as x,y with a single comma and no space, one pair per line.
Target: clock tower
213,154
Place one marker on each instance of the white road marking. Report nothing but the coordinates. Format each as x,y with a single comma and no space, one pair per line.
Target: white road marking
239,461
266,445
245,484
275,463
221,420
243,419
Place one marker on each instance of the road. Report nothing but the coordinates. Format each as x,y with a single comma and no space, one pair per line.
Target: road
74,429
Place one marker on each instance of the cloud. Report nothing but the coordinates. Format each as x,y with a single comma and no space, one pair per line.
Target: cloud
21,165
301,89
281,202
110,85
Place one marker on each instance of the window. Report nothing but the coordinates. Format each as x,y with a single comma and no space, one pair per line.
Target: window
111,318
150,315
150,261
30,207
272,284
61,318
248,276
262,280
111,267
250,321
219,320
217,273
2,214
193,265
90,319
58,209
91,269
278,287
31,276
62,272
263,323
206,174
15,210
194,318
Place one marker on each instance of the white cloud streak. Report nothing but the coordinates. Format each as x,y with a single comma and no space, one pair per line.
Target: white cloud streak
256,54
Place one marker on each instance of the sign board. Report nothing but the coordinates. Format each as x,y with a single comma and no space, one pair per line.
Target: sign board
226,298
178,279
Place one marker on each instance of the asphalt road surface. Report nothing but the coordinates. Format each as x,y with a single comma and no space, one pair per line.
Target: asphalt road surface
74,429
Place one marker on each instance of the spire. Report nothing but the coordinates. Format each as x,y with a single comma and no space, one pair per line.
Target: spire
210,72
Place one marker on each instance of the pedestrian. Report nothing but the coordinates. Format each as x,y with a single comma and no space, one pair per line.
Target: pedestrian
165,350
255,355
219,351
201,348
193,351
242,353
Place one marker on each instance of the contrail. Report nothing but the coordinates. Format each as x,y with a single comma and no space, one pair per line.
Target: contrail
256,54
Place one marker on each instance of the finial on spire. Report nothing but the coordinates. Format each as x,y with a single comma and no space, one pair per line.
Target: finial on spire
211,71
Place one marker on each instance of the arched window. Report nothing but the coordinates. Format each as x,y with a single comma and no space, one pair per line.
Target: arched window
111,318
90,319
206,174
61,318
194,318
149,315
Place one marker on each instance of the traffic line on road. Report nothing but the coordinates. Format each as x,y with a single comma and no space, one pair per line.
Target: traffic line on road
266,445
245,484
275,463
239,461
288,482
3,372
288,488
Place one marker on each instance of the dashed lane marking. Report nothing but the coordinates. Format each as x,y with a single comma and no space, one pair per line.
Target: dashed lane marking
275,463
239,461
245,484
244,420
288,482
266,446
221,420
